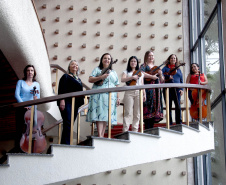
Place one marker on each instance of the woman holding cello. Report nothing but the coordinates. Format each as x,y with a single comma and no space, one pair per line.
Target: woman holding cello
132,76
193,78
173,74
196,78
153,109
24,92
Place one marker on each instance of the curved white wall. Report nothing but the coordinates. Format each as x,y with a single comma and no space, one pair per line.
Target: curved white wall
22,42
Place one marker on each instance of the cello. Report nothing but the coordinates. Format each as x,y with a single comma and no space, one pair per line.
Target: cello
38,139
194,110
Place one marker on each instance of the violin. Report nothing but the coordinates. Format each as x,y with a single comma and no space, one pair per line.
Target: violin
154,70
194,110
173,71
134,82
105,70
38,139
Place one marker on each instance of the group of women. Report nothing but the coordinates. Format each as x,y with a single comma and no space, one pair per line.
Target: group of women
98,103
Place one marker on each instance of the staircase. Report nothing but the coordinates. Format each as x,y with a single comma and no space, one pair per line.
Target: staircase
8,80
66,163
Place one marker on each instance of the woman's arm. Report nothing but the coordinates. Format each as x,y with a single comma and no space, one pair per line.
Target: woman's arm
144,92
17,92
126,79
161,77
153,77
93,79
188,79
205,80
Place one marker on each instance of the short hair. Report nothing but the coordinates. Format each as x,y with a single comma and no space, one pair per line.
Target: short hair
101,64
146,56
191,72
168,60
128,65
68,68
25,72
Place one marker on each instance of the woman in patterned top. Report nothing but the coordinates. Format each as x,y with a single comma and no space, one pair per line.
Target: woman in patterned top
98,103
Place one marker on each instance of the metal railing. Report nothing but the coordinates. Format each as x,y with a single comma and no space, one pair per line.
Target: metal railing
120,89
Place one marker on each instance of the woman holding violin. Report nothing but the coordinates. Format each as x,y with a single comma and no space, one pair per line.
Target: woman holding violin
132,76
69,83
24,92
173,74
103,77
153,109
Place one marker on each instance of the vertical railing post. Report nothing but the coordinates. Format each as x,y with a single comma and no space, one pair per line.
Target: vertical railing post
72,119
141,111
31,129
167,109
56,87
109,116
59,133
92,128
78,128
208,106
187,107
200,106
86,101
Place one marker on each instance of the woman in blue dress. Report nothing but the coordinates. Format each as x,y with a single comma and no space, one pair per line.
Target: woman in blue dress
24,92
98,103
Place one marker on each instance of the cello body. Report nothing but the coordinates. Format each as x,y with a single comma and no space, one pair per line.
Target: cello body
194,110
38,139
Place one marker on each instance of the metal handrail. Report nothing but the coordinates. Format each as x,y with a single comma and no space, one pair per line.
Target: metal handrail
119,89
97,91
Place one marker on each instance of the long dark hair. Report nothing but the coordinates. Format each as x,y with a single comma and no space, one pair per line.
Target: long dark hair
168,60
25,73
101,63
128,65
191,72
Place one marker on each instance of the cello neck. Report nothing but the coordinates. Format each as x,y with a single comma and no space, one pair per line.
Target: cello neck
35,107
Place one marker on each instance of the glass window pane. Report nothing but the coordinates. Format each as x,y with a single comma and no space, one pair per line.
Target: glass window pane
218,156
194,21
212,58
208,8
195,56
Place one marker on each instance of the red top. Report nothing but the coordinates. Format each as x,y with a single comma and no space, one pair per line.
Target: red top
171,66
195,78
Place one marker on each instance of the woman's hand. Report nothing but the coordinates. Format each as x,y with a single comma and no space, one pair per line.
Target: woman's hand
154,77
104,76
144,98
118,102
135,77
62,105
171,77
181,92
160,72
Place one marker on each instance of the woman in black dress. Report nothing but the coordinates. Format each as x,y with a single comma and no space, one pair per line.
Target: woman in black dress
69,83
